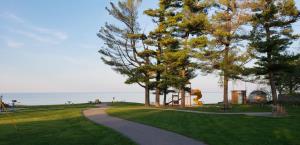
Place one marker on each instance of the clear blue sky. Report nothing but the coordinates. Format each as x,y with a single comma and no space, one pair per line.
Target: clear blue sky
51,46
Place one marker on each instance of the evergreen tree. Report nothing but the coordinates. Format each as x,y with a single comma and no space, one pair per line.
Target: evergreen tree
155,39
186,23
226,52
161,38
287,80
125,50
271,35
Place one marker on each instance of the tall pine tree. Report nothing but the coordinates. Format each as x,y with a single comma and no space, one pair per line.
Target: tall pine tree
124,49
186,24
226,53
287,80
271,36
155,39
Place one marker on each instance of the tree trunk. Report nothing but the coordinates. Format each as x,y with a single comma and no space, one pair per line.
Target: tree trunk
147,96
226,106
280,90
273,88
271,75
291,86
157,90
157,97
165,97
182,91
225,85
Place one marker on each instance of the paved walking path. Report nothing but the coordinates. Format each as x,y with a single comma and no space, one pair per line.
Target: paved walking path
139,133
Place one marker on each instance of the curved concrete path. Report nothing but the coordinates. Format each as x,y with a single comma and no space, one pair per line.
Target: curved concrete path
139,133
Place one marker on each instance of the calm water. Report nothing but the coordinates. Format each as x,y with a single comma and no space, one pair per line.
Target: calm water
62,98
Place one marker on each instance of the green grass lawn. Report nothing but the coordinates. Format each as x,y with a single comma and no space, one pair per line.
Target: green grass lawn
206,107
55,125
219,129
233,108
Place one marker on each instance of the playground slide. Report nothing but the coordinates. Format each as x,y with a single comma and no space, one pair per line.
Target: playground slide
198,94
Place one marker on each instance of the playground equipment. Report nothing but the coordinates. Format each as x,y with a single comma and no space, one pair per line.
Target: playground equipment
198,94
175,100
4,109
2,105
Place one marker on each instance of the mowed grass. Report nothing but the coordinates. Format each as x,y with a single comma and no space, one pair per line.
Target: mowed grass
205,108
55,125
219,129
235,108
232,109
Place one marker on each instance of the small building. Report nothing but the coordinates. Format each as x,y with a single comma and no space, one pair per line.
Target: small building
238,97
258,96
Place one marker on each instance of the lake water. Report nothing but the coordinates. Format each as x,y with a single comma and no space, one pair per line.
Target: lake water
62,98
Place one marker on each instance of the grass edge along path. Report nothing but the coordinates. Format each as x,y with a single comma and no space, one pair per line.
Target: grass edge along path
140,133
218,129
56,125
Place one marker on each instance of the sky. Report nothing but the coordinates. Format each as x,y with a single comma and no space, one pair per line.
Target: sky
51,46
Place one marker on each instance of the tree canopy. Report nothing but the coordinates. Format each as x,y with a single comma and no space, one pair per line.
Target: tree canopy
219,36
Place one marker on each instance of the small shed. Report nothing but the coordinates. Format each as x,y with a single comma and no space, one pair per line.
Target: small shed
258,96
238,97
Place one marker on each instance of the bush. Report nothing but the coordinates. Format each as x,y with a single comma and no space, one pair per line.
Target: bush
289,99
